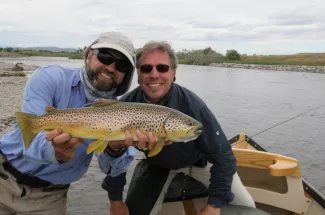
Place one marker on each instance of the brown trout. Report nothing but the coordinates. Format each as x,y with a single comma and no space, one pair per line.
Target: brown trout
106,120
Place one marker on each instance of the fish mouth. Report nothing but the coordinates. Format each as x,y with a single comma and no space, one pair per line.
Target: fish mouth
196,131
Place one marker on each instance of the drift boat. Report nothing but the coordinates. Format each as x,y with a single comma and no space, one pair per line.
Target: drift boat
273,180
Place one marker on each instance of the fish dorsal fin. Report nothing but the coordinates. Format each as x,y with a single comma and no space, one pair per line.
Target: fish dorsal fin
104,102
50,108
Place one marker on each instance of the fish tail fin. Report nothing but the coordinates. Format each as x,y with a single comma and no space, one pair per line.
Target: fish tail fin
25,123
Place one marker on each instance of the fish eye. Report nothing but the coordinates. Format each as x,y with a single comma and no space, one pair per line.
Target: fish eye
191,124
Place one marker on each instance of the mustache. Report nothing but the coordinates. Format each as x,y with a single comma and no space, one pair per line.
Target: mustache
107,73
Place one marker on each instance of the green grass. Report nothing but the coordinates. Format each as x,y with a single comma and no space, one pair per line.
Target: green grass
297,59
22,53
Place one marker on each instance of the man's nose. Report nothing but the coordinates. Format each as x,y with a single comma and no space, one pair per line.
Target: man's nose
154,72
111,67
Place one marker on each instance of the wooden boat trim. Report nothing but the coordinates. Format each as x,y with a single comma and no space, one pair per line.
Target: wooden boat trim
277,165
309,189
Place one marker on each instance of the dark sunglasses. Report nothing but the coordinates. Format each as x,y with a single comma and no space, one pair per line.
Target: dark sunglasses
105,57
146,68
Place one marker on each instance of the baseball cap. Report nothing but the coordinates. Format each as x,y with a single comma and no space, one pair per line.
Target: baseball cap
117,41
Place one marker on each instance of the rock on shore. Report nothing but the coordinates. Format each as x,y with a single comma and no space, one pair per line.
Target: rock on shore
7,68
294,68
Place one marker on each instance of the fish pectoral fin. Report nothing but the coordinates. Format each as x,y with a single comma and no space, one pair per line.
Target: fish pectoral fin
104,102
47,130
94,145
101,148
50,108
157,147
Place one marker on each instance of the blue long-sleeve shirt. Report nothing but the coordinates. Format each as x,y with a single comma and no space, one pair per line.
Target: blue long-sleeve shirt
60,87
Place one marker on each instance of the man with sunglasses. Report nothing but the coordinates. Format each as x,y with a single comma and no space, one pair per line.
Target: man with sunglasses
36,180
156,65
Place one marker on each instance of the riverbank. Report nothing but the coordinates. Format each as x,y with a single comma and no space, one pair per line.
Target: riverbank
11,90
293,68
12,83
15,69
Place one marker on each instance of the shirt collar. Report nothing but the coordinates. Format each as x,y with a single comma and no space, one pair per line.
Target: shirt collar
168,100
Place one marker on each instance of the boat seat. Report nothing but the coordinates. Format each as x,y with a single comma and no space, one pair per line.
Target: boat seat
184,187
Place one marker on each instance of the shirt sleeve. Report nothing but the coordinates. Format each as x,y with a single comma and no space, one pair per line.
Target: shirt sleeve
39,93
217,150
115,166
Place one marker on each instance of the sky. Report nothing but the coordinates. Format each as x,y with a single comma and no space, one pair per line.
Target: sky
250,26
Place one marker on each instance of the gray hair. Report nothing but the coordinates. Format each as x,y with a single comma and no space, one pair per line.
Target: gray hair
157,45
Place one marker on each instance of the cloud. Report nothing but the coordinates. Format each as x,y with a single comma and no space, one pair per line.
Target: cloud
186,24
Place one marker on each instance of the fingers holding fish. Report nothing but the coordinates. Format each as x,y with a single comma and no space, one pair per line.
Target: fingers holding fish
142,140
151,140
63,144
140,143
120,144
64,151
146,142
60,139
52,134
128,139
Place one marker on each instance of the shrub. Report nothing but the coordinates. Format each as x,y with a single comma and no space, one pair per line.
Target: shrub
232,54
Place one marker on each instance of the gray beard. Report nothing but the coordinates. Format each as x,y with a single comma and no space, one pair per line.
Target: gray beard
92,93
92,75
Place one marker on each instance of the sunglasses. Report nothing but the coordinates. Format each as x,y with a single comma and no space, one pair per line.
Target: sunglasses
146,68
105,57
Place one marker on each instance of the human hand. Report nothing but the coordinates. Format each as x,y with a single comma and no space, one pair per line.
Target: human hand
209,210
63,144
140,144
118,208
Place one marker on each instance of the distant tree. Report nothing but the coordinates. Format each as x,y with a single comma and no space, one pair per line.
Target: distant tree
199,56
185,51
207,50
232,54
1,49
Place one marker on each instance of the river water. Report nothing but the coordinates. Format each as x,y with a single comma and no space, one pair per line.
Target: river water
243,100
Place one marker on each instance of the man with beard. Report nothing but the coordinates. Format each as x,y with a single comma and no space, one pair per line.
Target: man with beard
209,158
36,180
